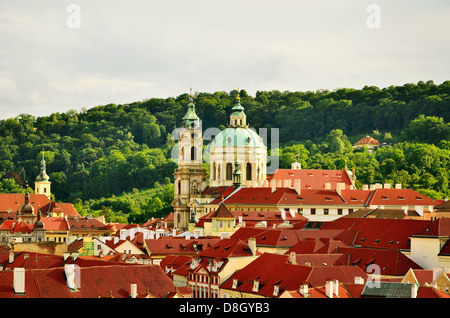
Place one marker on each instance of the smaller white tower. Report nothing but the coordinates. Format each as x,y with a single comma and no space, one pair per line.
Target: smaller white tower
41,184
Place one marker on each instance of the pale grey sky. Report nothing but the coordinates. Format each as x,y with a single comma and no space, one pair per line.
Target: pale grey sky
54,58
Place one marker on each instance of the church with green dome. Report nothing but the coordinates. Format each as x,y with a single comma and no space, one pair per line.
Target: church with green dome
237,141
237,157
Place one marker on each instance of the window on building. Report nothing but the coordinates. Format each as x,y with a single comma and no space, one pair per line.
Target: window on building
229,172
193,153
248,174
339,211
313,211
326,211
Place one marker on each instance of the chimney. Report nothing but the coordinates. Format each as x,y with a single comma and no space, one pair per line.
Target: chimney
304,290
255,286
359,280
19,280
378,186
252,245
287,183
235,283
339,187
69,270
398,185
133,291
298,185
273,185
266,184
329,289
66,255
336,287
11,257
365,187
387,185
123,234
293,258
414,290
196,233
240,218
327,186
283,214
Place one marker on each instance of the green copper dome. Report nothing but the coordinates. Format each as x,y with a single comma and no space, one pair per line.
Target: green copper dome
238,137
191,120
42,176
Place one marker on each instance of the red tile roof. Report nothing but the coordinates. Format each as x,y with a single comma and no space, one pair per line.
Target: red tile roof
390,262
381,233
430,292
274,270
367,141
178,246
311,178
423,276
258,196
55,224
101,281
316,246
16,227
267,236
320,197
401,197
14,201
222,212
251,218
85,223
227,248
321,259
68,209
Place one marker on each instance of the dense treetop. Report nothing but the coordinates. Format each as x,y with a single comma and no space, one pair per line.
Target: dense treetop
105,151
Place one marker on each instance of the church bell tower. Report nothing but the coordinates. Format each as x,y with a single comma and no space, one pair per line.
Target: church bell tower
190,176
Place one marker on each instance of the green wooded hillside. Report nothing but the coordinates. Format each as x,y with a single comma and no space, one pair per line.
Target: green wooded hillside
109,150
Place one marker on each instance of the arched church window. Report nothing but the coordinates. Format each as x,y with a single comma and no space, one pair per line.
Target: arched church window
248,174
214,171
193,153
229,175
179,186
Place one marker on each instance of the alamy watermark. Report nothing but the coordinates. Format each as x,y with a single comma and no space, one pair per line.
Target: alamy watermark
73,20
374,19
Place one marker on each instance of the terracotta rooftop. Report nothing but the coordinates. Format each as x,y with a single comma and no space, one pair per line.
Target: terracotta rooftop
94,282
311,178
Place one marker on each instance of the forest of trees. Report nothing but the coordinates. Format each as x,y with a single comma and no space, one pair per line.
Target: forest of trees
96,156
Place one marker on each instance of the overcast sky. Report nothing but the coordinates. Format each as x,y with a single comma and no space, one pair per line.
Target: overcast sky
55,56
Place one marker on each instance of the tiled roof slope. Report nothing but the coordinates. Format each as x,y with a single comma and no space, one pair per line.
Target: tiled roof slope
275,270
311,178
105,282
390,262
227,248
381,233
